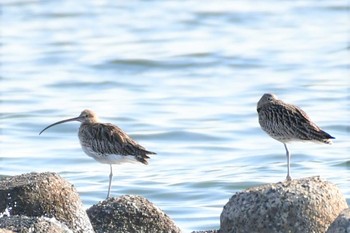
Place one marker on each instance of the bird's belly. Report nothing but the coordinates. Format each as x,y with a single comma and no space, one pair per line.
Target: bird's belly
282,135
278,132
109,158
282,138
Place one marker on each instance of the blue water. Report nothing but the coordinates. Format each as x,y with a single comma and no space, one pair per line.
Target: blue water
183,79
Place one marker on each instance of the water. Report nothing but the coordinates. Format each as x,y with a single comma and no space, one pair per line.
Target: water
182,78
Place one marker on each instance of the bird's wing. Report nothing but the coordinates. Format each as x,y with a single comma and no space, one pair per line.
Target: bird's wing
110,139
297,121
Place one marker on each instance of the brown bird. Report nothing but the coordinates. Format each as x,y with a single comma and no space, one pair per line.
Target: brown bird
286,122
106,143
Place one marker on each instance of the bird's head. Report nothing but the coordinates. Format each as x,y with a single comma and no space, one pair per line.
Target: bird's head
86,116
267,98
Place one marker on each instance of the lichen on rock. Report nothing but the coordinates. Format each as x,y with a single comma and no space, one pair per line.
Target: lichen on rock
129,213
44,195
303,205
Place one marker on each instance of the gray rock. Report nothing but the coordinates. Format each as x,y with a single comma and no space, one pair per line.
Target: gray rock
304,205
341,224
44,194
208,231
129,213
5,231
33,224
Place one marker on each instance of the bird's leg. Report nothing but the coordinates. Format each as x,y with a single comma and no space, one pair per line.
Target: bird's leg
110,181
288,178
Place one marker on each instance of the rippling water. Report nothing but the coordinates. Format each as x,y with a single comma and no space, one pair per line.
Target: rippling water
183,79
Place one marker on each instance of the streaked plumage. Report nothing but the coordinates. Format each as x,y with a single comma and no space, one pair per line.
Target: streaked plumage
106,143
286,122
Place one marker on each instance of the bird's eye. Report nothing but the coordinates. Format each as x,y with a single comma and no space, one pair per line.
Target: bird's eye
269,98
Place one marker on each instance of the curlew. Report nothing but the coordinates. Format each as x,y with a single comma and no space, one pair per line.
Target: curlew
286,122
106,143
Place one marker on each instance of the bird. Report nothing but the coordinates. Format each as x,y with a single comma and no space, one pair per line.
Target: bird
286,123
106,143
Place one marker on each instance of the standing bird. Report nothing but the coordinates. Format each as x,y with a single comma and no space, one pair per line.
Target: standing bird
106,143
286,122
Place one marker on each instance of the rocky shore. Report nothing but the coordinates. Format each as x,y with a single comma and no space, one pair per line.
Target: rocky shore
45,202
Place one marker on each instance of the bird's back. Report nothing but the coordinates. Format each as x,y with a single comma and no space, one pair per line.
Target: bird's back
107,141
286,122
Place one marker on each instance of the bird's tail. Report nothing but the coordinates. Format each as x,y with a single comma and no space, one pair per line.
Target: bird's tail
326,137
144,156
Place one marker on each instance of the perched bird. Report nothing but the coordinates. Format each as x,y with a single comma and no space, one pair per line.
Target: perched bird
106,143
286,122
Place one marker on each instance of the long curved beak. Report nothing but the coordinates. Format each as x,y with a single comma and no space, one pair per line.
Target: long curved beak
60,122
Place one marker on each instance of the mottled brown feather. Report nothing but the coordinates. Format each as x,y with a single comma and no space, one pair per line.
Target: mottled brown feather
106,143
287,122
107,139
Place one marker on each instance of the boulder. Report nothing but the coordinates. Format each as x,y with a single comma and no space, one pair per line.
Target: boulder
341,224
44,194
33,224
208,231
303,205
5,231
129,213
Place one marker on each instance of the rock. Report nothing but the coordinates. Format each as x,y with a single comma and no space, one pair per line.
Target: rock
304,205
44,194
129,213
33,224
6,231
209,231
341,224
